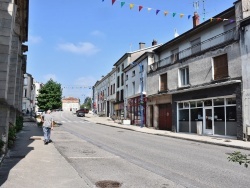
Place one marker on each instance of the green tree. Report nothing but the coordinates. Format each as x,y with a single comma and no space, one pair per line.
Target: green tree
87,103
50,96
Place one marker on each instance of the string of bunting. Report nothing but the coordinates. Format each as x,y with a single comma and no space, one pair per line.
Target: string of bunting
165,12
76,87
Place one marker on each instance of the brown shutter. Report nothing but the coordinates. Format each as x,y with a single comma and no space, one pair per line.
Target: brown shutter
220,67
164,82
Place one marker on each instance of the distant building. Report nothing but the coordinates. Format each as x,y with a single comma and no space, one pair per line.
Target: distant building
36,90
70,104
27,105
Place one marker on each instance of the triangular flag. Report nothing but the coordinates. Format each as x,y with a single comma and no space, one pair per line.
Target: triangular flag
140,7
225,19
157,11
211,19
122,3
174,14
231,21
218,19
189,16
113,1
181,15
175,33
131,5
165,13
149,9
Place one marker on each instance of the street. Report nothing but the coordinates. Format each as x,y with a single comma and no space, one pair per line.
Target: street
135,159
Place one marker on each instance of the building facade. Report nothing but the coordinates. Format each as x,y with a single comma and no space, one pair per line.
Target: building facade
13,33
70,104
28,94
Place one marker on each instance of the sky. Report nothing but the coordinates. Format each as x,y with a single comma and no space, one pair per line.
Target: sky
75,42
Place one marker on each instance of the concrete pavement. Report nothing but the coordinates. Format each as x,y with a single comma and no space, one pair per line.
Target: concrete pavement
31,164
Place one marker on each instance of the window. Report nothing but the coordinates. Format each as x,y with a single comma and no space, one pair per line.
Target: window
126,77
141,68
122,79
133,89
118,82
184,76
195,45
122,96
220,67
25,93
133,73
175,55
113,88
122,66
117,96
163,82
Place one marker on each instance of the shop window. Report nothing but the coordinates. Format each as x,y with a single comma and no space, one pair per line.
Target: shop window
186,105
163,82
184,76
219,102
193,104
180,105
196,115
231,101
220,67
208,103
184,120
219,120
231,118
199,104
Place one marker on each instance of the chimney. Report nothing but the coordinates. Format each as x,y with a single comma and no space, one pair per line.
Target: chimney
196,19
141,45
154,42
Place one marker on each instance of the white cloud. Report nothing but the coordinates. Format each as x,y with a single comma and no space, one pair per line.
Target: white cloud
97,33
49,76
84,48
35,39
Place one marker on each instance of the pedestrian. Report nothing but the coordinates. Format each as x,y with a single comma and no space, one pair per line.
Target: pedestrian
48,125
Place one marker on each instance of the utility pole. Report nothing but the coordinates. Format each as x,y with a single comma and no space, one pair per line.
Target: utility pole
141,98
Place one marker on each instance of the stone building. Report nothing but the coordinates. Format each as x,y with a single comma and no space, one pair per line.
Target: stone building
70,104
13,33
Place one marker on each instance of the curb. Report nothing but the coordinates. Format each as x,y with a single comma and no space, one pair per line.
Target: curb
189,139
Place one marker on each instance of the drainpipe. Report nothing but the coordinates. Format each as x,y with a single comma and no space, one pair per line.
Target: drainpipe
141,98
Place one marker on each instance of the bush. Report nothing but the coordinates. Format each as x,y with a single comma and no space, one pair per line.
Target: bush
19,123
11,136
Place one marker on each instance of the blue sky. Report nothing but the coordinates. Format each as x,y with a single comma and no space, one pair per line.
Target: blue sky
75,42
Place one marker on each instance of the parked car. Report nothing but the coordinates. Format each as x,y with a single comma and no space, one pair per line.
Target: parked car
80,114
83,110
39,112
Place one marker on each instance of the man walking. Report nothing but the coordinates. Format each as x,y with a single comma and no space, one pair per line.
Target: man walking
47,126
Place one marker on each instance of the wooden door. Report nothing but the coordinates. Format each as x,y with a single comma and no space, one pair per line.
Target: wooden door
165,117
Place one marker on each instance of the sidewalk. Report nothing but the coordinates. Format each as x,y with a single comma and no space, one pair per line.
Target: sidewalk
31,164
223,141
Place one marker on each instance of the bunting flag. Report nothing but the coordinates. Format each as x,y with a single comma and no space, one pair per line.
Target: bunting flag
131,5
221,19
181,15
140,7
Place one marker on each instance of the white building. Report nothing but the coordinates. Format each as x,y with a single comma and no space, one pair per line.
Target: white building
28,97
36,90
70,104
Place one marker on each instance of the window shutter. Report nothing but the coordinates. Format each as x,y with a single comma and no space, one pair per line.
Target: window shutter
220,67
164,83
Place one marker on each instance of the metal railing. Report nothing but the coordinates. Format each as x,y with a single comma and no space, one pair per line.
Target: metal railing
217,40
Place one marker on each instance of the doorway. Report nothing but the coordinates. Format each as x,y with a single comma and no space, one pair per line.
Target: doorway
208,120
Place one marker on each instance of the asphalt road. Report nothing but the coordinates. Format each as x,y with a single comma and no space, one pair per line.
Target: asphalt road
135,159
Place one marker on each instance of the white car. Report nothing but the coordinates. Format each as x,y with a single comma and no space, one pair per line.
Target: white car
39,112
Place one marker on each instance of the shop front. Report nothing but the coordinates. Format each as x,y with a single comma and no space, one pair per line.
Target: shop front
218,115
134,110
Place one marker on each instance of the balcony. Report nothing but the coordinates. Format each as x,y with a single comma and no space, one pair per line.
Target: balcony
217,41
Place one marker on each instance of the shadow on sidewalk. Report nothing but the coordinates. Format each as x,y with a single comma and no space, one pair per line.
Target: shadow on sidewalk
20,149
